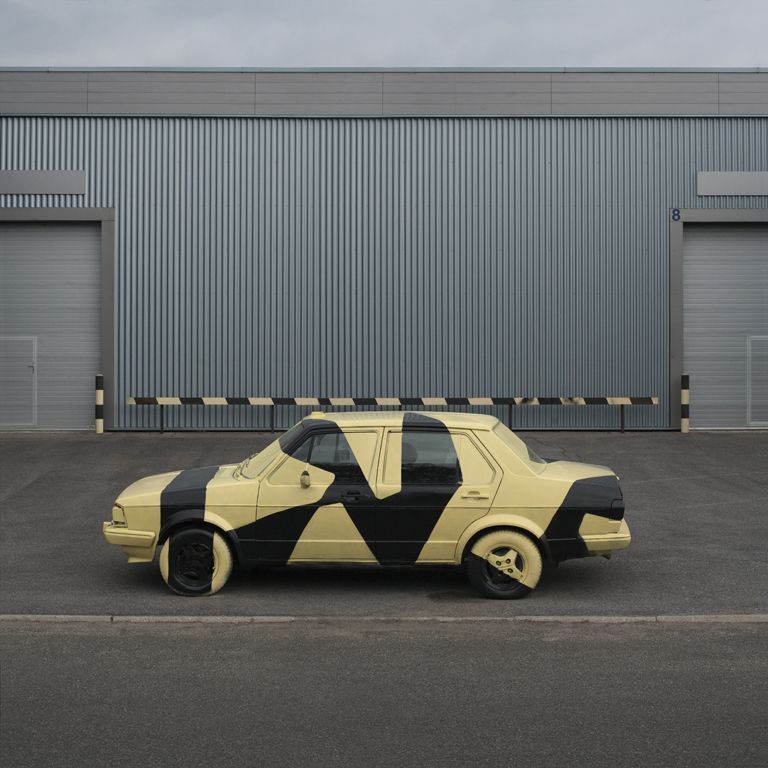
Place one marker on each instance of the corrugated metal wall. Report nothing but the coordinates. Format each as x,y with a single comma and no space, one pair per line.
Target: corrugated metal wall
415,256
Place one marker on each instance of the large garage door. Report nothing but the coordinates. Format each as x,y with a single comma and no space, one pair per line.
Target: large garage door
49,325
726,324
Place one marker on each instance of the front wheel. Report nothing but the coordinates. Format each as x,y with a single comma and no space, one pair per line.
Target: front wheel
505,565
195,561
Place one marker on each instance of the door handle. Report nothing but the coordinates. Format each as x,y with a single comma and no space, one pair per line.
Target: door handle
354,496
474,495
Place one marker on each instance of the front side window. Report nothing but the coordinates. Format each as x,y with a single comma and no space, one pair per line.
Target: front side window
346,456
333,453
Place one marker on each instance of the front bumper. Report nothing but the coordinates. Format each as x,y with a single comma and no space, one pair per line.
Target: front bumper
139,546
603,543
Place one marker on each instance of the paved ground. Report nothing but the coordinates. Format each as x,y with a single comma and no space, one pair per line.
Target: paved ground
697,506
356,690
346,694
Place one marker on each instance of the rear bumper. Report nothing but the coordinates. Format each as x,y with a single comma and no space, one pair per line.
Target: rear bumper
602,543
138,546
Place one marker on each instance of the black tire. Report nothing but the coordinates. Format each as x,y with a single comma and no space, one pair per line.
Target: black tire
196,561
504,565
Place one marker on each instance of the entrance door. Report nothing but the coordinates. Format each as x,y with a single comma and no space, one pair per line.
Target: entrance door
18,367
50,290
725,292
757,395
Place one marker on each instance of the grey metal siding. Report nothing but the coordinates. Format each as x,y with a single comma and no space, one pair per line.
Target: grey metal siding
171,93
743,94
317,93
632,93
382,93
43,93
725,273
390,256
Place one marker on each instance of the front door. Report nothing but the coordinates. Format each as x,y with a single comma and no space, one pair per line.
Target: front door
18,362
434,483
317,504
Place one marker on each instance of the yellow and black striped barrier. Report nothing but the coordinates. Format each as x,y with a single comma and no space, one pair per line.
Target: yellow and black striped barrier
685,401
401,402
99,404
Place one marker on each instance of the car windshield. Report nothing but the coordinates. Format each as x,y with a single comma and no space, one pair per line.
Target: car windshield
254,465
511,440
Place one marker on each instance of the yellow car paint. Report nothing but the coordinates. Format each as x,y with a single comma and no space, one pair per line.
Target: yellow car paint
377,487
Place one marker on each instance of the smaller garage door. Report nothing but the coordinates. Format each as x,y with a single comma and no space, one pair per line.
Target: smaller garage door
725,283
49,325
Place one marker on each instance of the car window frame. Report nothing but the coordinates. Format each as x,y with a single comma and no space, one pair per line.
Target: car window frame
498,471
310,434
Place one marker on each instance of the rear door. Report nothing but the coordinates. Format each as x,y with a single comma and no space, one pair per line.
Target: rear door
433,483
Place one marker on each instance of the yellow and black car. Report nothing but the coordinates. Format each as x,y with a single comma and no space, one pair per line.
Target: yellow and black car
387,488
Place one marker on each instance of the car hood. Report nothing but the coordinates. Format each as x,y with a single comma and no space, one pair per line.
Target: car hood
174,486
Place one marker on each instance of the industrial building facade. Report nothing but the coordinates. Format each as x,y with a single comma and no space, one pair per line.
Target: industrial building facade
383,233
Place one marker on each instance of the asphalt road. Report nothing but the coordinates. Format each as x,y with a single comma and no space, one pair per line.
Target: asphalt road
345,694
697,505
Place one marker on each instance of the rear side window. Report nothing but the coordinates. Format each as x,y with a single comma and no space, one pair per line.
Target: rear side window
429,457
421,458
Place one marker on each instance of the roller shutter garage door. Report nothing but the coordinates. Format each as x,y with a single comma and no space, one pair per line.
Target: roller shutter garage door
725,341
49,325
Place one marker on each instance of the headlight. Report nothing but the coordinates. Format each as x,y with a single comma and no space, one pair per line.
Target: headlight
118,515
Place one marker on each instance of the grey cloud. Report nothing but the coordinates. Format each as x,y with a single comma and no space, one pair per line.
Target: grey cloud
428,33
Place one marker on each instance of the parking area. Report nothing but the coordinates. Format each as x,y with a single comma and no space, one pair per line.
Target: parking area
697,505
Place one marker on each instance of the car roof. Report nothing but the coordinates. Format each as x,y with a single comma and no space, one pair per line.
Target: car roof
395,418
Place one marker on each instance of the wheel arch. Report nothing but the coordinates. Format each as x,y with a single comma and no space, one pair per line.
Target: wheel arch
196,518
468,540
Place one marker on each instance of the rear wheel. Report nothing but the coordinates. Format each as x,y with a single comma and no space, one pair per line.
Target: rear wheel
504,565
195,561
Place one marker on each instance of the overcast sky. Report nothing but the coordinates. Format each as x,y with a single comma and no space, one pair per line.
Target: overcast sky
384,33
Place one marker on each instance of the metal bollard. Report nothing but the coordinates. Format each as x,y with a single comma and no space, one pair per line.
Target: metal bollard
99,404
685,399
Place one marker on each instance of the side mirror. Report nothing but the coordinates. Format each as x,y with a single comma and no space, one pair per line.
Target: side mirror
304,479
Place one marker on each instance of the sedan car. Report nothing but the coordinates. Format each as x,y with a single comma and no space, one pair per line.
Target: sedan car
386,488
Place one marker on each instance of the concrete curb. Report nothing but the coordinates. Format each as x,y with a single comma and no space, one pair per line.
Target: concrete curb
716,618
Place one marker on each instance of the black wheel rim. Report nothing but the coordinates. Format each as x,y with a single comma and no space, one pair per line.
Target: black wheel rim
193,565
497,578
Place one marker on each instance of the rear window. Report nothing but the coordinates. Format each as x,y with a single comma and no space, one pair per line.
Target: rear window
511,440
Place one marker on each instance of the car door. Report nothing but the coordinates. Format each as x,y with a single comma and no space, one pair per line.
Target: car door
316,505
433,483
